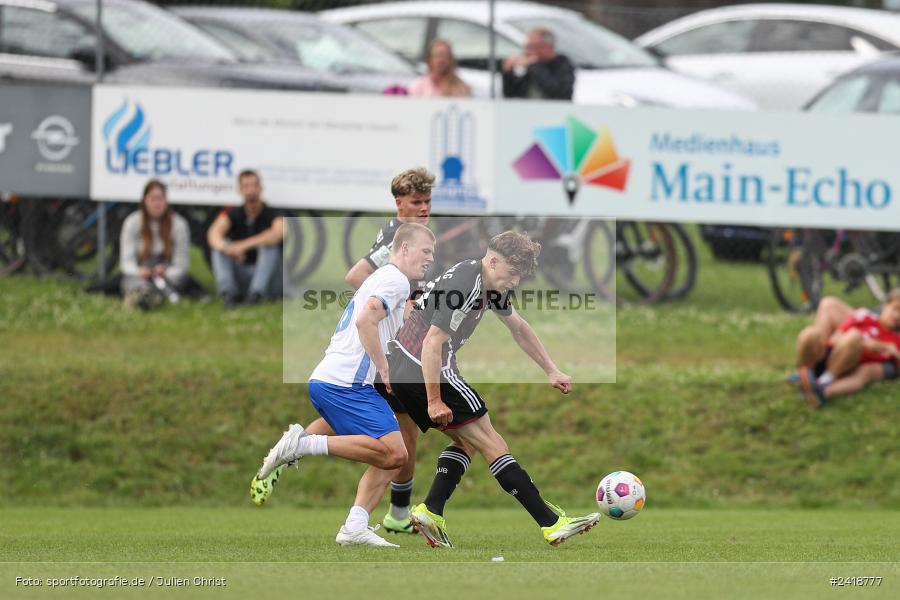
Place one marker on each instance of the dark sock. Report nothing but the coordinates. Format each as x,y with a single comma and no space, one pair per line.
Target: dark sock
401,493
452,464
518,484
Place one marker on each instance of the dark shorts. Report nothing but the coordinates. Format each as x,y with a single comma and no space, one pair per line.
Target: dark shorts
822,365
409,392
392,401
890,370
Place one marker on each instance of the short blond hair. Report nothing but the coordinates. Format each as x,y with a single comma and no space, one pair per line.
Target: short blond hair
518,249
893,296
412,181
408,231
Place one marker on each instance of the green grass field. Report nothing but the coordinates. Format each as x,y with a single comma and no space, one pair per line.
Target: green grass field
660,554
129,438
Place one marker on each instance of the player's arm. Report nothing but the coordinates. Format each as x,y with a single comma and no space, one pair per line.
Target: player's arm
359,273
373,313
431,369
529,341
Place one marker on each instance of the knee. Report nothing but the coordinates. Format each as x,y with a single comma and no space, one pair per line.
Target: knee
852,339
394,458
809,336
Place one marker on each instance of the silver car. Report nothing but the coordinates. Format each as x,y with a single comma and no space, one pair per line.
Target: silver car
261,35
610,69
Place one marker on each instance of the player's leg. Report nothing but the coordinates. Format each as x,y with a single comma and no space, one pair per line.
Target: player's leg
356,531
555,525
844,358
812,343
397,518
860,377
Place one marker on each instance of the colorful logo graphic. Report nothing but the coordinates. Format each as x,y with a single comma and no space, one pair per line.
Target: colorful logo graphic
126,132
126,136
575,154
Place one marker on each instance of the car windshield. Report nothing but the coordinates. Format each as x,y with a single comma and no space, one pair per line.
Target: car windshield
149,33
587,45
843,97
335,49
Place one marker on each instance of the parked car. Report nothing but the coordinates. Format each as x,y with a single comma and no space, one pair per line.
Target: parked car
872,88
778,54
54,40
610,69
272,35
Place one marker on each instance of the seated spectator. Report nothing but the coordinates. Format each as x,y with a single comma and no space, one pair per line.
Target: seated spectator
245,242
539,73
155,244
441,79
844,349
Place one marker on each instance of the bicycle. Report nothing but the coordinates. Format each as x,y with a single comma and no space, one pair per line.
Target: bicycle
12,245
798,260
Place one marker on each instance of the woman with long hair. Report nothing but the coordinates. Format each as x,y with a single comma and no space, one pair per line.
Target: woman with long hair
155,249
441,79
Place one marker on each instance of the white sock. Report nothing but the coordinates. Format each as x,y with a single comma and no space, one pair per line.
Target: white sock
357,520
825,379
314,445
399,512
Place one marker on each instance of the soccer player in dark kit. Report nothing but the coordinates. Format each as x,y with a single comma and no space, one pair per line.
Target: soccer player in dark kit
427,383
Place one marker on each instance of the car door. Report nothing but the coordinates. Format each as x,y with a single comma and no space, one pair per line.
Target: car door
41,45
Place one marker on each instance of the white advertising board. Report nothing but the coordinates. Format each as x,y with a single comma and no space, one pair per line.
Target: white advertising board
312,150
798,169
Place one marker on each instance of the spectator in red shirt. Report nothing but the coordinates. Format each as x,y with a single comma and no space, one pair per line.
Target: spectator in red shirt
844,350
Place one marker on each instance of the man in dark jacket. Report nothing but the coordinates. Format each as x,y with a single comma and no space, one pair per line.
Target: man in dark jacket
540,72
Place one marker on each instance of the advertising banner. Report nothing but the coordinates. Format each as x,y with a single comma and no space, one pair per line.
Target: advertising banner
45,140
834,171
319,151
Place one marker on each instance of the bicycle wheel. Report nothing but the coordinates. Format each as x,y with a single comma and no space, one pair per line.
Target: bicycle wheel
647,259
599,258
305,245
794,262
12,246
875,260
686,264
360,231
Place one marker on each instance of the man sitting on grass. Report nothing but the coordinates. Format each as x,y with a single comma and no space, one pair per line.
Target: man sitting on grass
844,350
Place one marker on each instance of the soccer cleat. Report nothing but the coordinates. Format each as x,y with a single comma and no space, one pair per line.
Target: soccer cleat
812,392
289,448
566,527
431,526
261,489
395,525
363,537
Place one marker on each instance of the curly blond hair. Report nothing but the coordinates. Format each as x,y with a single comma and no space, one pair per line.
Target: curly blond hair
412,181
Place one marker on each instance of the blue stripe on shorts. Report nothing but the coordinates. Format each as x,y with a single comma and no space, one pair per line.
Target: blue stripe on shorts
356,410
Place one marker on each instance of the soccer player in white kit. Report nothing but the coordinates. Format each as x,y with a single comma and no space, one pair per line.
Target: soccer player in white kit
341,390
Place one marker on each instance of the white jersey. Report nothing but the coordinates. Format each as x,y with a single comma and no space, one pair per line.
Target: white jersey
346,362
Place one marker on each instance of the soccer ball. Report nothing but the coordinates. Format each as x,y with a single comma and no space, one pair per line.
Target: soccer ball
621,495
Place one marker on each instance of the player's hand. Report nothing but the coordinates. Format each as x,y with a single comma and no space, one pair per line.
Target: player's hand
439,412
159,271
386,380
561,381
145,272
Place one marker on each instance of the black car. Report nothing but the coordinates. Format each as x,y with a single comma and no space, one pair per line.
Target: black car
272,35
54,40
